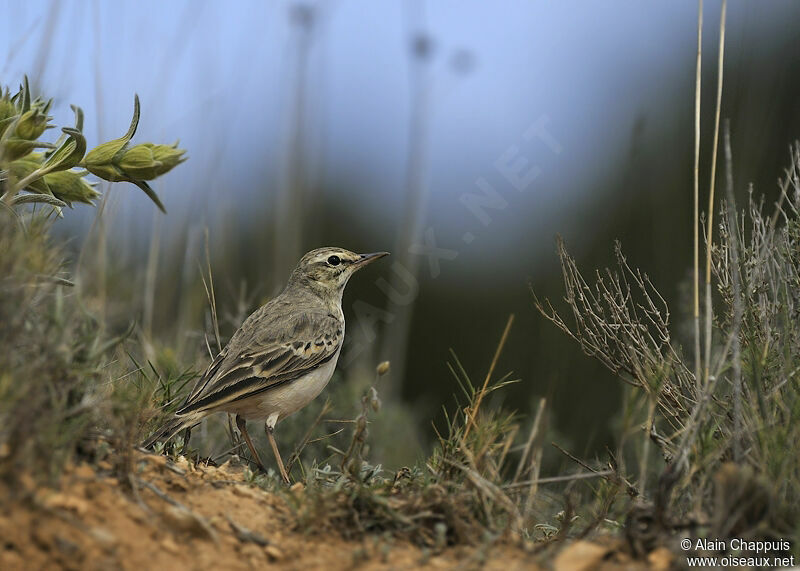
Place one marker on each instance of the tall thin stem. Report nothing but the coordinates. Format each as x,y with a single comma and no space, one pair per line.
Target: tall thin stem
473,413
696,226
710,226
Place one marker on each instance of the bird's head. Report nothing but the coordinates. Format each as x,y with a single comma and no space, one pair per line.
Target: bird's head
328,269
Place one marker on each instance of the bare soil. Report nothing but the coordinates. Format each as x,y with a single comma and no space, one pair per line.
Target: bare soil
195,517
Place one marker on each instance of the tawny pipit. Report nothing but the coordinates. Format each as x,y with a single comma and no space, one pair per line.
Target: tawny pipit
282,356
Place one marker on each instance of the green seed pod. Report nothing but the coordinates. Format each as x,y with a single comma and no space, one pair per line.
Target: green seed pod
169,156
7,112
16,148
115,162
148,161
107,172
139,163
98,161
32,124
101,161
21,168
70,187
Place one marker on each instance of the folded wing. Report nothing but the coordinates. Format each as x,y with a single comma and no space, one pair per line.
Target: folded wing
263,356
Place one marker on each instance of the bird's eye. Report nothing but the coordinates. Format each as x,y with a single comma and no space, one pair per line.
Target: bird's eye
334,260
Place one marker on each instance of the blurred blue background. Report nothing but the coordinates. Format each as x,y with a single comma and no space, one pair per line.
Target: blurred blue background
369,125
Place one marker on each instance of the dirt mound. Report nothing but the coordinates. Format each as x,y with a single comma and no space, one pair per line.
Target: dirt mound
188,517
196,517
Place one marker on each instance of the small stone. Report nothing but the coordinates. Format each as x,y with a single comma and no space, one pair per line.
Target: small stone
438,561
140,516
253,553
660,559
580,556
65,502
169,544
104,537
274,553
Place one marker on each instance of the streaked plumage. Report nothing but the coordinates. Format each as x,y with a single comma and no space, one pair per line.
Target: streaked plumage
282,356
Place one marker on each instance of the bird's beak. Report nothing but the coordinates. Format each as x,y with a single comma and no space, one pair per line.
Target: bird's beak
365,259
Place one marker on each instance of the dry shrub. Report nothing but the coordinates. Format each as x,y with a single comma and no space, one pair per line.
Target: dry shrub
727,437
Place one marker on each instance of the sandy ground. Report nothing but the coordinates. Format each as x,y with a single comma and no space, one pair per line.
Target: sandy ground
208,518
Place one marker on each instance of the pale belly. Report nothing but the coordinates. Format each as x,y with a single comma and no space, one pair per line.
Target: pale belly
288,398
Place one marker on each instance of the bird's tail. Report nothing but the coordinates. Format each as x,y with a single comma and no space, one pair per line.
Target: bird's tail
169,429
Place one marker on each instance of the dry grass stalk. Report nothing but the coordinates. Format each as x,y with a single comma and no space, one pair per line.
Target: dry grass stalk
523,468
473,411
307,437
531,461
696,223
710,225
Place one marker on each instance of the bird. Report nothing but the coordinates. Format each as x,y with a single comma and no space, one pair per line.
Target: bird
281,357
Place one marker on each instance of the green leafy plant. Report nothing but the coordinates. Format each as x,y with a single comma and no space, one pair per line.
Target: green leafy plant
35,171
65,392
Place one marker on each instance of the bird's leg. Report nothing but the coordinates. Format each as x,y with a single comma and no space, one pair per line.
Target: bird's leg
269,427
242,426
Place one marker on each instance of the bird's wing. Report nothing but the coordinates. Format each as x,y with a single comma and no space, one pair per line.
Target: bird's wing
264,355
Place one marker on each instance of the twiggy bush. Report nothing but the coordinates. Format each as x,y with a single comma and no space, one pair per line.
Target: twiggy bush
730,465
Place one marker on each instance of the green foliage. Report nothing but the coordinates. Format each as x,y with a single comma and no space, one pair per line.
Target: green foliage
67,388
457,496
53,358
48,177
